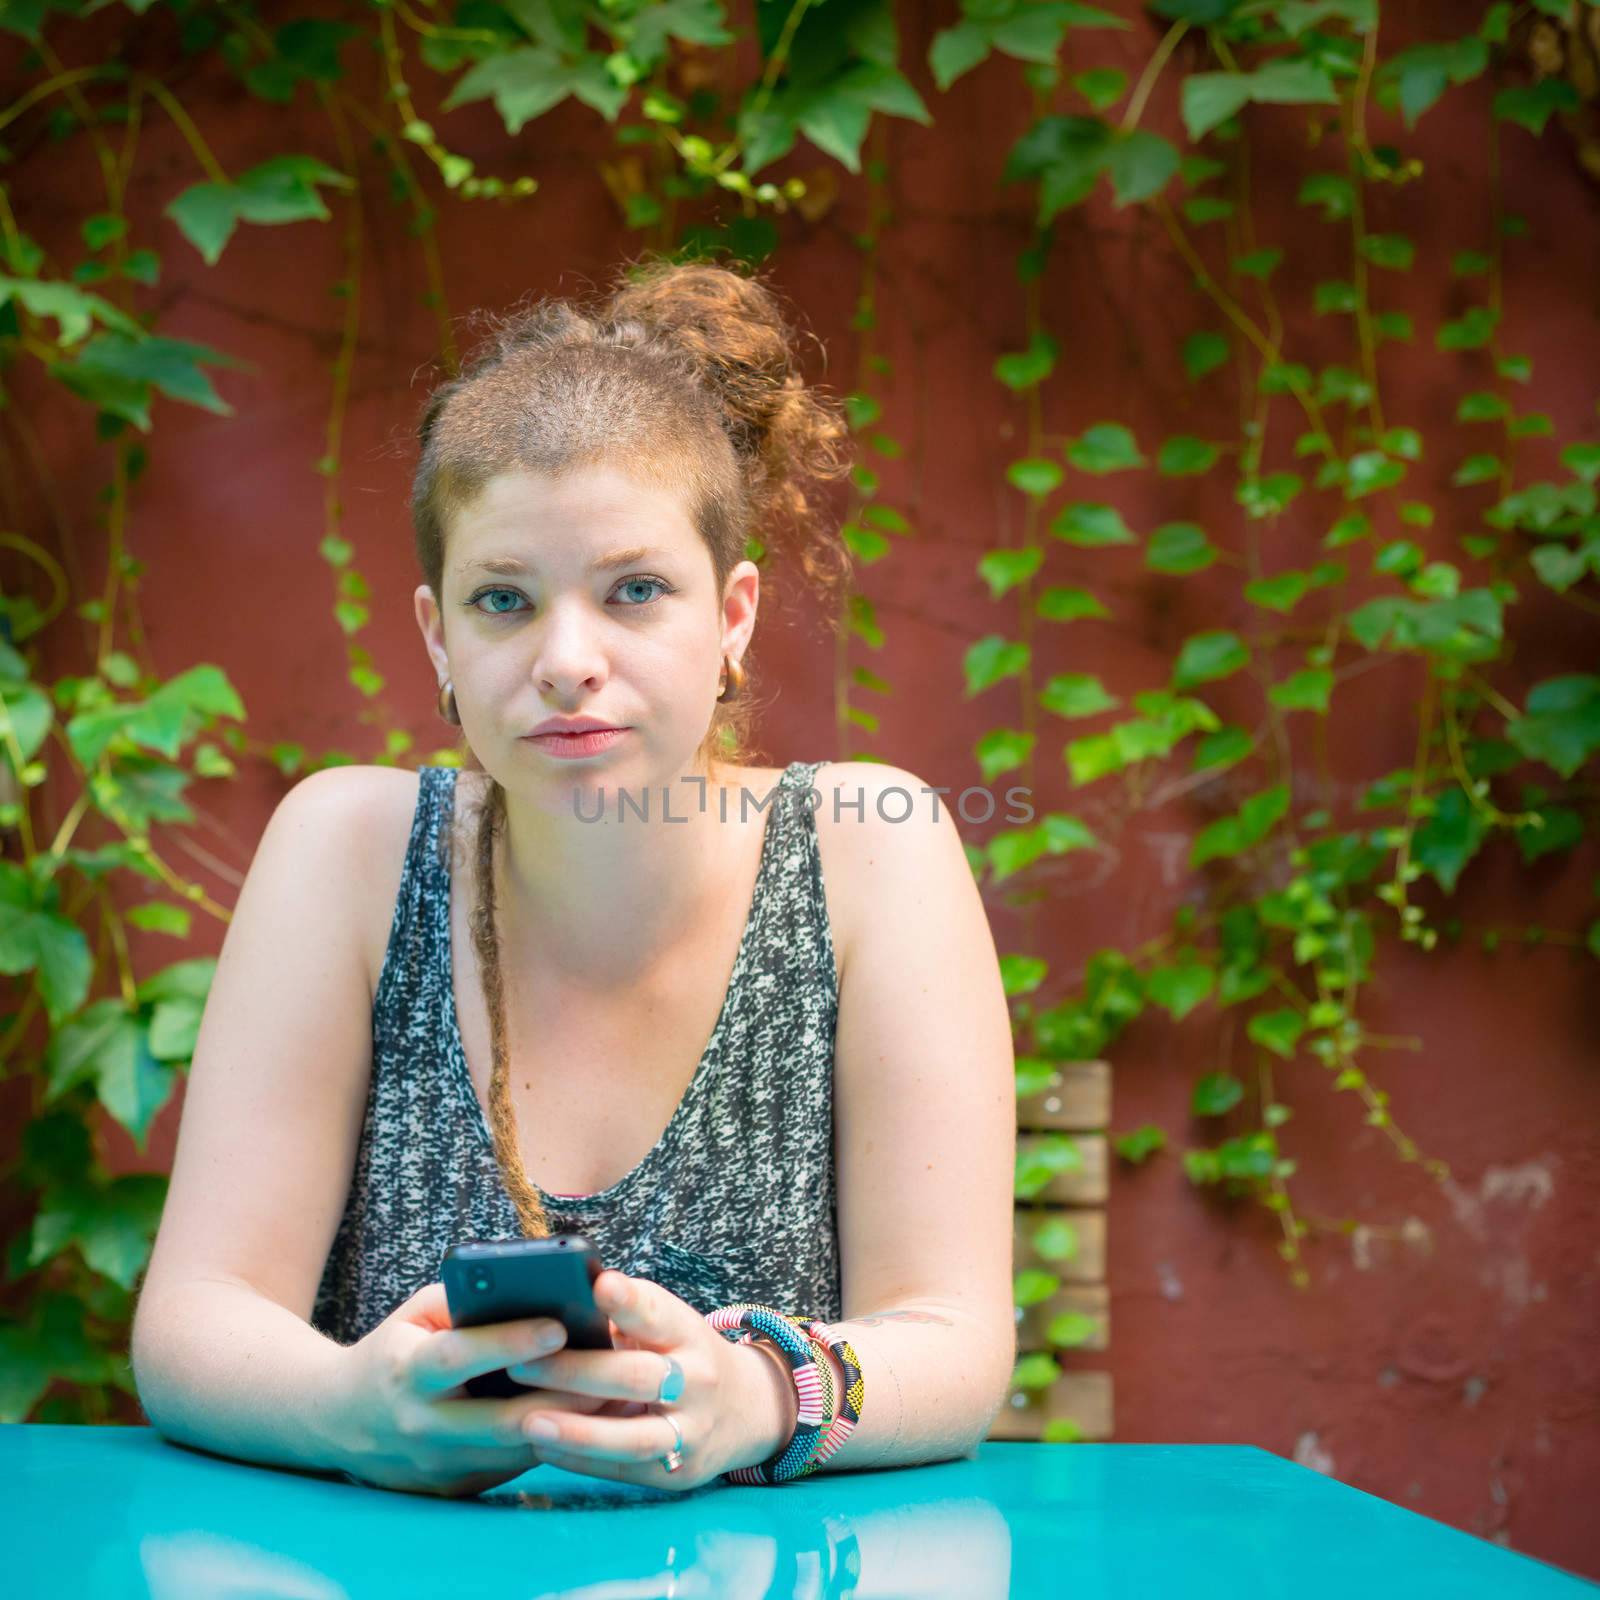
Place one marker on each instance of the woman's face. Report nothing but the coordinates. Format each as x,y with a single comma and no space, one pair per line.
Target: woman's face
587,596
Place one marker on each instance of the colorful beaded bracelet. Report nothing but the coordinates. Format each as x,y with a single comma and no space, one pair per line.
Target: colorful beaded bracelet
847,1413
813,1383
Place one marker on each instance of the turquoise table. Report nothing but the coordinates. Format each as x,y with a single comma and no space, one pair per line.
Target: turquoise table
99,1513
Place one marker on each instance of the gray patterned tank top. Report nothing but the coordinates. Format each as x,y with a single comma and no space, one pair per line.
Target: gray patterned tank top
736,1201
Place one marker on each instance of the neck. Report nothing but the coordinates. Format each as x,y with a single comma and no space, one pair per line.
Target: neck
603,877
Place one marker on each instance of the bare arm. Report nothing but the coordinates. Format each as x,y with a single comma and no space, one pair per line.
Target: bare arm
220,1366
930,1393
925,1125
223,1353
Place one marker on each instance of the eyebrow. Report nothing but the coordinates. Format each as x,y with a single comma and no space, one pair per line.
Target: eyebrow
509,565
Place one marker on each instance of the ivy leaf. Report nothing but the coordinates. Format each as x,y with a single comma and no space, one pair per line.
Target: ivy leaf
523,83
1230,836
1446,841
1282,592
1530,105
1179,988
109,1046
956,51
1071,1328
1307,690
835,117
1184,455
1298,15
989,660
1011,851
1562,724
116,373
74,310
112,1224
696,21
1216,1094
1028,33
52,1344
1562,829
1035,476
1209,656
1105,447
1392,250
1140,164
1090,524
1224,748
281,189
1278,1031
1423,71
31,714
1209,98
1005,569
1065,154
1101,86
1029,367
1332,191
34,937
1139,1144
1002,750
1055,1239
1041,1158
1582,460
1031,1286
1179,547
1473,329
1065,604
1076,694
1203,352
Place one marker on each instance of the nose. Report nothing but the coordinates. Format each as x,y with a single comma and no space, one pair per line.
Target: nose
569,653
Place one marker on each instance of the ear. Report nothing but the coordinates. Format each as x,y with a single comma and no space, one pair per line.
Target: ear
741,596
430,620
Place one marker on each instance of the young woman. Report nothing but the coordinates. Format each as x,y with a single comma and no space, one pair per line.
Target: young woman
743,1026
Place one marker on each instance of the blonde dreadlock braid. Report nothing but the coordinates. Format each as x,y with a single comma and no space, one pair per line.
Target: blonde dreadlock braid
486,941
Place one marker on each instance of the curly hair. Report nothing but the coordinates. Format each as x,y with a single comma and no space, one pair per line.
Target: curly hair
686,371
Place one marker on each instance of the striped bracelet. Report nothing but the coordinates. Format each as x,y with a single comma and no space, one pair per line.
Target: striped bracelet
847,1413
813,1382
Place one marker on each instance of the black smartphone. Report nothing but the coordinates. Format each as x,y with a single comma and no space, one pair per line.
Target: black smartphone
513,1279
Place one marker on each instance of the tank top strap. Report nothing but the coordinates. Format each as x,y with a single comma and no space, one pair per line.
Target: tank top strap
412,927
792,904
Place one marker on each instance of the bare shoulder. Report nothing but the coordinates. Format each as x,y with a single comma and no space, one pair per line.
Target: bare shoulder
366,812
880,829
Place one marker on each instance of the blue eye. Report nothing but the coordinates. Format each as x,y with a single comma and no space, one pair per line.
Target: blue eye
493,611
627,583
660,583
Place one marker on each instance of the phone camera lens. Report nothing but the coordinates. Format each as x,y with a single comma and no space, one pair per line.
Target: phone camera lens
482,1281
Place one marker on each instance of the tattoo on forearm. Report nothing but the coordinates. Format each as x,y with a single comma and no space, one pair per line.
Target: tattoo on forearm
901,1316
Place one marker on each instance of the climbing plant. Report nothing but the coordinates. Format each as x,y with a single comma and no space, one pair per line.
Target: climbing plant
103,757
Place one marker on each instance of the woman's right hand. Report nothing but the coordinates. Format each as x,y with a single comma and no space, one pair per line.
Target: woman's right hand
408,1421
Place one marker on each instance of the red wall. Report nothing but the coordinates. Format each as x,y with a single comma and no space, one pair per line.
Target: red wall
1455,1374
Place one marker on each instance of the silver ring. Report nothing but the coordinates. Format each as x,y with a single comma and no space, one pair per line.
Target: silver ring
671,1382
673,1459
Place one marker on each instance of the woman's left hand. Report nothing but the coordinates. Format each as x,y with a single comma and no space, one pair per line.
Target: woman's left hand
714,1405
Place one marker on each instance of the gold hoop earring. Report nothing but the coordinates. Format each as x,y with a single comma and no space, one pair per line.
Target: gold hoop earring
732,678
447,704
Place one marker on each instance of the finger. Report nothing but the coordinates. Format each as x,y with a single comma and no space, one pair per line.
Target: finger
642,1310
636,1440
497,1424
611,1374
444,1360
591,1467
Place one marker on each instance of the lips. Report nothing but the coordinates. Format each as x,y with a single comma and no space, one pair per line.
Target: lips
576,725
587,742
